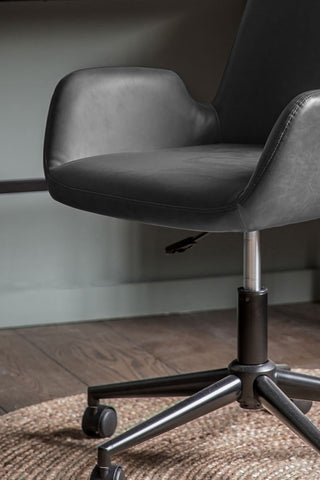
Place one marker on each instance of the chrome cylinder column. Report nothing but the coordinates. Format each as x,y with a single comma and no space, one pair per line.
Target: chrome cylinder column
251,261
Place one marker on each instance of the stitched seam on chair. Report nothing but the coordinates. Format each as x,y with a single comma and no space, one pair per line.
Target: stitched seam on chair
218,123
229,207
292,115
242,221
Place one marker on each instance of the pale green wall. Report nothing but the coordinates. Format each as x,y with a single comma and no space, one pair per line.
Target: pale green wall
46,248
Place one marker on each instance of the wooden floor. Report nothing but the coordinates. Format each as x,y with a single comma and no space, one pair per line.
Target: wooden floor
41,363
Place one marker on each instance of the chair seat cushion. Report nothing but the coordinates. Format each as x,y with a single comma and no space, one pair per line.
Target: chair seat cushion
189,187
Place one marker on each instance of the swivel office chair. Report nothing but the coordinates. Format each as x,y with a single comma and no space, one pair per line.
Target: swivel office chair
131,143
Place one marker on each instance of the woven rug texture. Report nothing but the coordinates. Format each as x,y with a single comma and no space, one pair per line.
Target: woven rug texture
45,442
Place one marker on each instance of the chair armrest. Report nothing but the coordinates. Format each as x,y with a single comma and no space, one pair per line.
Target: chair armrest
108,110
285,187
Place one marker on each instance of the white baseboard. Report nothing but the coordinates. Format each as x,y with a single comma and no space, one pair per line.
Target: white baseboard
41,306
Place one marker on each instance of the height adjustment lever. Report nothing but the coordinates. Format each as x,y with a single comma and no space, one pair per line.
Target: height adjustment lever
185,244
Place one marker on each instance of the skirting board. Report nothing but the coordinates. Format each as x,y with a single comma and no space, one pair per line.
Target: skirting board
41,306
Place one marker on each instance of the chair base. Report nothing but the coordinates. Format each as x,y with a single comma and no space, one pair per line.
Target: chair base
266,385
252,380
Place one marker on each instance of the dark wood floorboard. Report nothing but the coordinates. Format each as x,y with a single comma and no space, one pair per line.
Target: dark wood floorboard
189,342
29,376
39,363
294,335
95,353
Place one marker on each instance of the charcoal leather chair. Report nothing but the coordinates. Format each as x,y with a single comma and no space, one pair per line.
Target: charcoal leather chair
131,143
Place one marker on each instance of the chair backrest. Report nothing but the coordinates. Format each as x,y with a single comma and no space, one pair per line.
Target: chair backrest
276,56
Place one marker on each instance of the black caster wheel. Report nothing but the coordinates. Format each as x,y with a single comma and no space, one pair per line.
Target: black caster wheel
303,405
100,421
114,472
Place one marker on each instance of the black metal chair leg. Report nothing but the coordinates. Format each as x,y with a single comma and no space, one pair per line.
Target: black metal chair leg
277,402
211,398
283,366
175,385
298,385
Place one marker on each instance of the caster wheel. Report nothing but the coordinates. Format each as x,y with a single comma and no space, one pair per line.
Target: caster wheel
303,405
114,472
100,421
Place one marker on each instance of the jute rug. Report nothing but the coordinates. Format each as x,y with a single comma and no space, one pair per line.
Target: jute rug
44,442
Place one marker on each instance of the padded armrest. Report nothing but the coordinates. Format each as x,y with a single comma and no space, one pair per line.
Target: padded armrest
285,187
109,110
